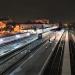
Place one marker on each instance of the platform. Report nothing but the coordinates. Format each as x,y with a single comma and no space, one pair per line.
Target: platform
66,68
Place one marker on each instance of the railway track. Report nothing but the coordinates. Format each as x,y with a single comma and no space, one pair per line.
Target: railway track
72,53
16,57
54,64
10,47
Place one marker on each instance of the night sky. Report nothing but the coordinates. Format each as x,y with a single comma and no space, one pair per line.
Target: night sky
31,9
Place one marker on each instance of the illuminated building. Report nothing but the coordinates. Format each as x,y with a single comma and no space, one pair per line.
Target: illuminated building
41,21
2,25
17,28
25,26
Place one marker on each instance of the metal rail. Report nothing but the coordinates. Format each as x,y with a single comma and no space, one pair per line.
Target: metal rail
14,58
10,60
54,64
72,53
9,47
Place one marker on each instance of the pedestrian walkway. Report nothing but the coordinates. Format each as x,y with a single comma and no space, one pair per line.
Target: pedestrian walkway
66,69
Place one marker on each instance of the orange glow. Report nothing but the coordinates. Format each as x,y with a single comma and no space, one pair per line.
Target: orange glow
17,28
2,25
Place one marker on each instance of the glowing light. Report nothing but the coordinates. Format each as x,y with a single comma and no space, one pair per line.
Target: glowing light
32,31
1,40
17,36
17,28
39,31
28,34
2,25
